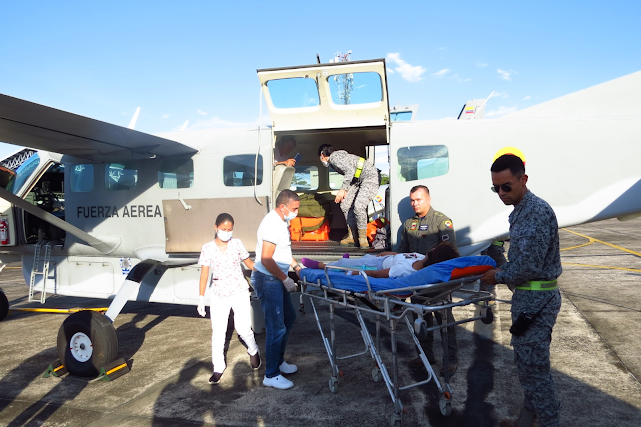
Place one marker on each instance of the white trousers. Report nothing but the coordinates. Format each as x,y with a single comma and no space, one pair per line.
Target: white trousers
219,313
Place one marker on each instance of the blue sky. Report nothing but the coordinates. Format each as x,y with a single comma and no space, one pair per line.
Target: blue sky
197,60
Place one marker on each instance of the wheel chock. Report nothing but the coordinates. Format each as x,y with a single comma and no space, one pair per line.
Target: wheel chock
56,369
115,369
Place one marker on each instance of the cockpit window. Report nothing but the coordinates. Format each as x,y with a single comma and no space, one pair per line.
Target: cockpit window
427,161
81,178
402,116
176,173
296,92
120,176
356,88
23,173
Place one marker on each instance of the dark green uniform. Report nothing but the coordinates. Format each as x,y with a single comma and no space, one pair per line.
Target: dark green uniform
422,234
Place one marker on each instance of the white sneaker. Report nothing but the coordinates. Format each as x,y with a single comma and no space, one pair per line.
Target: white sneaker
279,382
286,368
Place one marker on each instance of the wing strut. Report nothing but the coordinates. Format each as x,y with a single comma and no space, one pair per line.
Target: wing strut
104,244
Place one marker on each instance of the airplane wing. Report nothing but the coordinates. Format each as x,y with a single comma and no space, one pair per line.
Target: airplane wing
36,126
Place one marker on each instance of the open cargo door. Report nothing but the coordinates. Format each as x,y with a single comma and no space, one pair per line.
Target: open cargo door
327,96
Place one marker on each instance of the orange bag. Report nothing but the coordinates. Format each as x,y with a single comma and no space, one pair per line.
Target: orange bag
309,229
373,226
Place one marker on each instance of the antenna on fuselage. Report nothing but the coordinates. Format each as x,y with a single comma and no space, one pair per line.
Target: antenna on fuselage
134,119
345,82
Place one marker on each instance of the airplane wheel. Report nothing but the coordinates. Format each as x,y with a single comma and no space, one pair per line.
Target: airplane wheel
4,306
86,342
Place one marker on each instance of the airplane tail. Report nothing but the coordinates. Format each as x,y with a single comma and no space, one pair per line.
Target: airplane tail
474,108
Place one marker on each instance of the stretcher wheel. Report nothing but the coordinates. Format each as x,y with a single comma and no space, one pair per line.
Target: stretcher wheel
377,375
445,405
420,328
396,420
333,385
489,316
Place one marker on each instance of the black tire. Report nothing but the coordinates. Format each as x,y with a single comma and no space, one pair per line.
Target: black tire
489,316
4,306
95,343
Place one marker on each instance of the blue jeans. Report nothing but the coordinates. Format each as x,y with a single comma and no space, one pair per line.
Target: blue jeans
280,316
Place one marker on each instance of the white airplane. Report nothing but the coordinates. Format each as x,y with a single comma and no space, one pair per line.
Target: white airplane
105,211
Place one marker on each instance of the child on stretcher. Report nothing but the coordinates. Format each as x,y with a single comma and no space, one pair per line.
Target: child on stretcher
393,266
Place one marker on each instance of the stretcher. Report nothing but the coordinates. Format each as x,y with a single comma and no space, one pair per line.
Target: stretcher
435,288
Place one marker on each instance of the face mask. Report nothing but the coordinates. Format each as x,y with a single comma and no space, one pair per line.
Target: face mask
326,164
224,235
291,215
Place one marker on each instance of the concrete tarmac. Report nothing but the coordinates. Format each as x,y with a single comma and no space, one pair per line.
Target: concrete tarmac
595,359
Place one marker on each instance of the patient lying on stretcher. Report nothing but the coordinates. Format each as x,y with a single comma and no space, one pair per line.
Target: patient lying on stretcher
394,266
435,273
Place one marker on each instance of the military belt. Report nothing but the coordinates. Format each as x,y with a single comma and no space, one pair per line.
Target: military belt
538,285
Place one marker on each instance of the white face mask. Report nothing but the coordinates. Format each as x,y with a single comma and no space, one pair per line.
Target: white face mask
325,163
291,215
224,235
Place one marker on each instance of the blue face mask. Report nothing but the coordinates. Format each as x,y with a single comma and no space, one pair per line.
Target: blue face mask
291,215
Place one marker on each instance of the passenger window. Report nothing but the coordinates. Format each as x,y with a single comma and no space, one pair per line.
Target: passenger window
356,88
238,170
176,173
81,178
120,176
296,92
422,162
335,179
305,178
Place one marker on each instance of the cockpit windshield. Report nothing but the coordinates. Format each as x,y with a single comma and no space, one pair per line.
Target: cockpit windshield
23,173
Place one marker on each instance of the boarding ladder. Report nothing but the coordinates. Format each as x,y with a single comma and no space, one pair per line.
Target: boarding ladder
35,271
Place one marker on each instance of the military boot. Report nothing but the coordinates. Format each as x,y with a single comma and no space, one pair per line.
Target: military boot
526,419
362,239
349,239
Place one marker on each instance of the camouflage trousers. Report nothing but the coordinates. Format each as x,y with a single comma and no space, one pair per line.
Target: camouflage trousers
354,205
532,354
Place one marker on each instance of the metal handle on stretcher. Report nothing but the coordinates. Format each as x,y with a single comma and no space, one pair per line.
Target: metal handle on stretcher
360,272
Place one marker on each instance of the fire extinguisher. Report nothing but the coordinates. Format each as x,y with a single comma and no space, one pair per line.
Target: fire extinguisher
4,231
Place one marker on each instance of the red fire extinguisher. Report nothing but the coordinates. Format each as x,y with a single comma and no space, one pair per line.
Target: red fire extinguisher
4,231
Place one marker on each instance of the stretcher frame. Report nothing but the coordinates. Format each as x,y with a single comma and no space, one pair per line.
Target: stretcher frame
390,305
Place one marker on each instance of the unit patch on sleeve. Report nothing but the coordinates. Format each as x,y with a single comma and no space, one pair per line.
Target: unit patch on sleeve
447,224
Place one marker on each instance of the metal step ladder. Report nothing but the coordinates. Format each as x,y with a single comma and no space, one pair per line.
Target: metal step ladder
35,271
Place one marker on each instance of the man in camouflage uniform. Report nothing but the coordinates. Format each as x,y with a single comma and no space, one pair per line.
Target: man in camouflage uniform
360,185
421,233
534,263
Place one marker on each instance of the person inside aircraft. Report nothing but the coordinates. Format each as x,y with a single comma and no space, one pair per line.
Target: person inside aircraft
360,185
394,266
229,290
283,151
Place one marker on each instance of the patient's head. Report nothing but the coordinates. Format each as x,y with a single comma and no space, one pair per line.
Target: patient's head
442,252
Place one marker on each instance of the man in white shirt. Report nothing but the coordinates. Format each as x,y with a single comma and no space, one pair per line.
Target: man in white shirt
272,284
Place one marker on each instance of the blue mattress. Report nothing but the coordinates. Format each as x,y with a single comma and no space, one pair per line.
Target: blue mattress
435,273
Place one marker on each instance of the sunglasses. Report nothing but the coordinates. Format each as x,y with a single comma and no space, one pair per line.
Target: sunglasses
505,187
